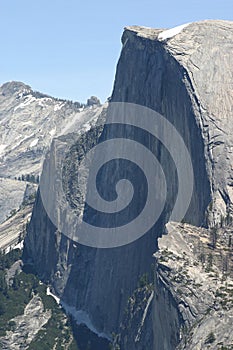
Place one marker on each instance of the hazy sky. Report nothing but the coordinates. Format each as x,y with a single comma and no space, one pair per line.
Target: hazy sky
69,48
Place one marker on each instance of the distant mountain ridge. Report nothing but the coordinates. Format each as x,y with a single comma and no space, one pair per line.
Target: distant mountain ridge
29,120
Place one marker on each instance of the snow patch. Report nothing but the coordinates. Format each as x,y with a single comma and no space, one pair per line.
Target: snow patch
27,122
19,245
41,103
58,107
144,317
167,34
34,143
48,292
86,127
52,132
2,148
29,99
81,317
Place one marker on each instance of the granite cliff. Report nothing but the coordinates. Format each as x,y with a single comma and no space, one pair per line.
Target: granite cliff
125,293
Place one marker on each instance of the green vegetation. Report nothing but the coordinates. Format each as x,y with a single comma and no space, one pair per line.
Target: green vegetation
226,296
60,332
7,260
210,338
57,331
14,299
143,280
16,296
209,263
29,178
166,255
214,236
29,200
146,280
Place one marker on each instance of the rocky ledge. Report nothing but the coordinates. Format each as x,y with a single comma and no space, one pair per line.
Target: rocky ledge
196,266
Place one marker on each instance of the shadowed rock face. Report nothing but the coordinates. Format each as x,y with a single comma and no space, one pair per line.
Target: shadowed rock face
187,79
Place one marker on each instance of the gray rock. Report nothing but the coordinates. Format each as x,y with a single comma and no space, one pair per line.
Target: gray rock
11,197
26,325
184,77
29,121
195,276
92,101
13,230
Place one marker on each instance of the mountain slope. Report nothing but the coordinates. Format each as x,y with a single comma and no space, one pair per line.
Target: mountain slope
183,75
29,120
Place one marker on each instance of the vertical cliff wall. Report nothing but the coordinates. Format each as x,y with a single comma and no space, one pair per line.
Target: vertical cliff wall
187,78
184,77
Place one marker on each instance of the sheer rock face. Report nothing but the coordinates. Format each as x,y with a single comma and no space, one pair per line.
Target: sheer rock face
186,77
82,274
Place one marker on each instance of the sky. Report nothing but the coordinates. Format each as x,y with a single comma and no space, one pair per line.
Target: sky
70,48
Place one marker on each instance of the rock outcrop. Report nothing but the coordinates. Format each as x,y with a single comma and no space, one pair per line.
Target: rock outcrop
92,101
199,277
184,74
12,194
26,326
